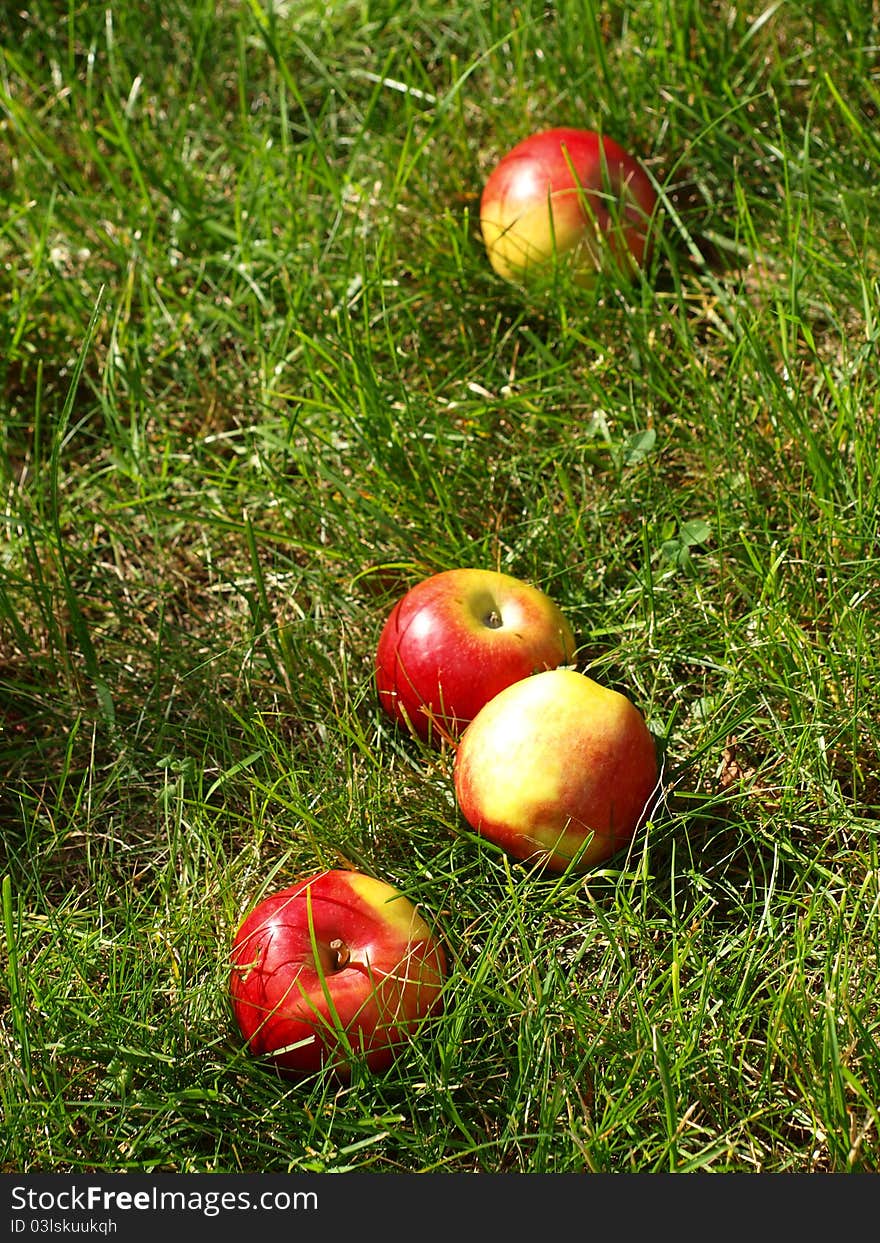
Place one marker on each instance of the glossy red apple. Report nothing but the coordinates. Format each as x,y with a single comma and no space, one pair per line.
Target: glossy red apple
459,637
567,195
557,770
338,967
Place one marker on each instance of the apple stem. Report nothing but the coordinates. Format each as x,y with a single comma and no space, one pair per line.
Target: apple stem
492,620
341,952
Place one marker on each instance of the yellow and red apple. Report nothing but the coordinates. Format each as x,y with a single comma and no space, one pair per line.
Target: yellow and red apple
557,770
456,639
567,196
339,966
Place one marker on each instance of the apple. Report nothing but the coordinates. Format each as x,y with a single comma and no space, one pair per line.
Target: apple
567,194
336,968
457,638
557,770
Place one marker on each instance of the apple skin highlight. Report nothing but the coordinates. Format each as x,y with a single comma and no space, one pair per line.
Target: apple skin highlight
339,965
567,196
557,770
459,637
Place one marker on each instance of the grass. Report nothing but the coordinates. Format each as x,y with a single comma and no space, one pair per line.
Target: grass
259,379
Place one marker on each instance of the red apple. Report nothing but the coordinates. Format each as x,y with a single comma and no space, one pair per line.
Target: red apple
337,967
557,770
459,637
566,194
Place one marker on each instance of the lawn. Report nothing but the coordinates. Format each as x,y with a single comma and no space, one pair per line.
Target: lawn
257,379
